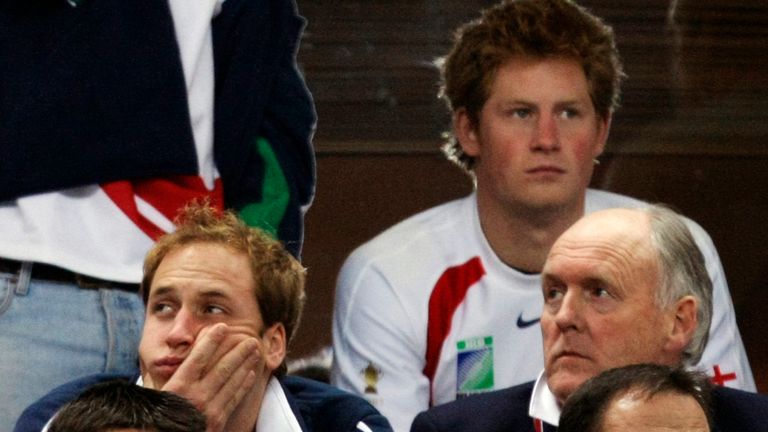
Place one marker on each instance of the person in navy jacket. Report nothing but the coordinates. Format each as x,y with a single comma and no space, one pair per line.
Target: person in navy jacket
222,303
620,287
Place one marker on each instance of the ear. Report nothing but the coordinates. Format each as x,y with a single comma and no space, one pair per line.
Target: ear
603,129
465,131
274,346
684,324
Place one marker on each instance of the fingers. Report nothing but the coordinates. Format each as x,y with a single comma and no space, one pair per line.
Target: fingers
219,411
234,377
231,339
236,387
202,354
222,368
211,346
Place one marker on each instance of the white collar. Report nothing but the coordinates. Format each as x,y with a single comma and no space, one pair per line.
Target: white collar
543,404
275,413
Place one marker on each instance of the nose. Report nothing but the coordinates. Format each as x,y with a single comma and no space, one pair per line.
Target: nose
547,138
569,314
183,330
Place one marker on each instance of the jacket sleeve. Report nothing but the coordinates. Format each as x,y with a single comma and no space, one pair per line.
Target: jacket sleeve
423,423
37,415
264,117
373,423
284,150
320,407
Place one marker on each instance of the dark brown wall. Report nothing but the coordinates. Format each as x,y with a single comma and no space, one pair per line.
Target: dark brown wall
691,131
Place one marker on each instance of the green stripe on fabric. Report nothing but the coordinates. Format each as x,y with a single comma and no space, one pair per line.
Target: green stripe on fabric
269,213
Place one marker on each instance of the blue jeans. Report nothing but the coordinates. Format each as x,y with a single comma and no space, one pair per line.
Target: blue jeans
51,333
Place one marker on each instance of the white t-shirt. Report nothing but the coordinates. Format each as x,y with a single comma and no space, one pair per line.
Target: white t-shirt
426,312
106,231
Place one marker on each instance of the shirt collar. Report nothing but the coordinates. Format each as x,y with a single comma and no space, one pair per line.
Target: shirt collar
543,404
276,414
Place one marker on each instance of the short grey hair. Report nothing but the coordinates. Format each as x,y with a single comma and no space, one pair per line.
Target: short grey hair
683,272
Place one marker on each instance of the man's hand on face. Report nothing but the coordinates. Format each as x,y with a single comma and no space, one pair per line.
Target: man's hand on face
218,373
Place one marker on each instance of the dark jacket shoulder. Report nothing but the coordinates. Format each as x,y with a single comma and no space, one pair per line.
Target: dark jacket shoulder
35,417
319,407
497,411
323,407
738,410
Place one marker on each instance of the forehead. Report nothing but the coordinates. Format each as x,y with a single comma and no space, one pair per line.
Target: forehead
525,75
203,264
613,243
666,411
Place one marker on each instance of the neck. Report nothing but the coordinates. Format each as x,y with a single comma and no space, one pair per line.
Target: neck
522,236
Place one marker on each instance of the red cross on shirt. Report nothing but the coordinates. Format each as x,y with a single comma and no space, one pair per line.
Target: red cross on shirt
721,378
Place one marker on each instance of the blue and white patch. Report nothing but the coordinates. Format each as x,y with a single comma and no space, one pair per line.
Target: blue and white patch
474,366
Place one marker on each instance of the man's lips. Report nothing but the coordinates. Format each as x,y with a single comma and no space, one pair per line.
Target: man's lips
166,366
545,169
568,354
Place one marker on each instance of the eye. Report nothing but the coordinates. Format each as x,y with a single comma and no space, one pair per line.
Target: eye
518,113
161,308
522,113
601,292
214,309
603,298
569,113
553,292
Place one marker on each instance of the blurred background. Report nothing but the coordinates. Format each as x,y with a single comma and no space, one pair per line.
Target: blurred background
691,131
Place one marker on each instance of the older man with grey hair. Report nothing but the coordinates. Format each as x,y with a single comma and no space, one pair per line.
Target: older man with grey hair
620,287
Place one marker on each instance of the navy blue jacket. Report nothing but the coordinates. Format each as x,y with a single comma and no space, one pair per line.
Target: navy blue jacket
96,93
497,411
318,407
507,410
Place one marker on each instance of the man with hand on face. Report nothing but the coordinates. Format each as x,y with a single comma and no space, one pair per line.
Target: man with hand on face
620,287
223,301
446,303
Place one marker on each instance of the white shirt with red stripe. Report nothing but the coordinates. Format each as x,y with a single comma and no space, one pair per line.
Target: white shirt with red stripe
426,312
105,230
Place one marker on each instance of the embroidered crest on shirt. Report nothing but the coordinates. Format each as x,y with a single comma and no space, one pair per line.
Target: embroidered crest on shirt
474,366
371,375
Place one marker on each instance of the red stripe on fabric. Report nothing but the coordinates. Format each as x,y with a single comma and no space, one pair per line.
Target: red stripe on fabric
449,292
171,194
167,196
121,193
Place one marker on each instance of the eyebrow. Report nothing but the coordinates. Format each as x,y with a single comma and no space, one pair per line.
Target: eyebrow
547,278
559,105
166,290
214,294
208,294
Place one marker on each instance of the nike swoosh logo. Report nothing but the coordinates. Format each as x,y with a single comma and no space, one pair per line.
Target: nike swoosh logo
521,323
